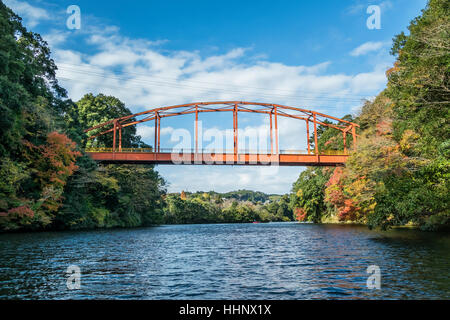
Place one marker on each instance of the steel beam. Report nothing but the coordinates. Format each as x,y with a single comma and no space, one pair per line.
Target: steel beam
219,159
316,147
307,136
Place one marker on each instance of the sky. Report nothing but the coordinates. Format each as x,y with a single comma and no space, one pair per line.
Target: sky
318,55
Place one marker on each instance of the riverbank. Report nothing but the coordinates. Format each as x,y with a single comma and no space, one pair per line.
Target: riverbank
329,221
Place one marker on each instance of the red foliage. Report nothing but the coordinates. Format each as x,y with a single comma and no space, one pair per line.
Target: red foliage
17,213
54,162
299,214
384,127
22,211
58,158
346,208
348,211
335,177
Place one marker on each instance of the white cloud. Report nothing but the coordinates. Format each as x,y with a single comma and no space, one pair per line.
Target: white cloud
359,7
276,180
367,47
148,133
369,81
32,15
353,9
386,5
144,76
56,37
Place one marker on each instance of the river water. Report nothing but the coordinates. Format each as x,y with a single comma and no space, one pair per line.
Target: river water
226,261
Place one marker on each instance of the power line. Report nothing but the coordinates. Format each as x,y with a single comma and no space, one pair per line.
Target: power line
332,96
220,90
122,87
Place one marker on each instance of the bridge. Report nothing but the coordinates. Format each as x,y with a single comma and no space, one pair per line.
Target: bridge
273,156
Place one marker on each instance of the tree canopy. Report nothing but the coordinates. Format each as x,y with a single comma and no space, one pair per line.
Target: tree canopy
399,173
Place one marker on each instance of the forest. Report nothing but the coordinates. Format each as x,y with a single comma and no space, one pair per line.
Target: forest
398,175
241,206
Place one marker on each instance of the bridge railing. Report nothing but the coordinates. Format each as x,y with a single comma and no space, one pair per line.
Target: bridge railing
213,151
117,150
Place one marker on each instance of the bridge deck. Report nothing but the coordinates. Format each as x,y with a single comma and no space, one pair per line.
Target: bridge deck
218,159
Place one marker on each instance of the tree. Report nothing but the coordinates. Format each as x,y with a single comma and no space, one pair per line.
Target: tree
93,110
400,172
34,152
308,194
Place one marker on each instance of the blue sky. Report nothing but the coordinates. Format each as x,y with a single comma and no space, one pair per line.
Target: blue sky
319,55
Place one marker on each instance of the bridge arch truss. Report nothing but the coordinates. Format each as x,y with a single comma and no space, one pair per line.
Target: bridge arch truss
273,111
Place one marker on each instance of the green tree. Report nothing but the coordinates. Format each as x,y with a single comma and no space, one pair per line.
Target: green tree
308,193
33,145
93,110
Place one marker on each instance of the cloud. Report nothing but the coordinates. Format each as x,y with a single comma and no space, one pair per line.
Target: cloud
277,180
56,37
148,133
32,15
355,9
144,75
386,5
367,47
360,7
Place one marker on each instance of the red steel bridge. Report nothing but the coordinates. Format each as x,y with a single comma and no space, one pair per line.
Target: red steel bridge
156,155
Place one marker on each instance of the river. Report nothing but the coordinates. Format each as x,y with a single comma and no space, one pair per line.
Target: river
226,261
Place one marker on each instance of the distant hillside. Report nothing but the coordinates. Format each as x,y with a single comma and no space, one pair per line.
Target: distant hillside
240,195
242,206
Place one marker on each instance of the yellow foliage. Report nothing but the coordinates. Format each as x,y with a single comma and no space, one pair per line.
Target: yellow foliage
408,140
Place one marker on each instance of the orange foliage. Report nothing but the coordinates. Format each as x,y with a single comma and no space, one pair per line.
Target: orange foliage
384,127
335,177
58,157
299,214
22,215
54,162
348,211
394,69
22,211
346,208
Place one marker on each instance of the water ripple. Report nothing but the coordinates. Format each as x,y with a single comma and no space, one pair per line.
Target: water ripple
228,261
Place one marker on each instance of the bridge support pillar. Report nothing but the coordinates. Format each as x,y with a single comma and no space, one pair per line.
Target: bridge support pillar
344,134
196,129
276,131
271,134
114,136
159,133
156,133
354,137
316,147
120,138
235,130
307,136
